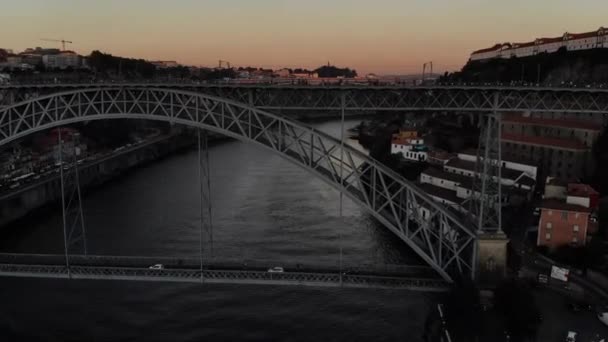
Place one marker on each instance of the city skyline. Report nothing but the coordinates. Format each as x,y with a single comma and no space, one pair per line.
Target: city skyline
386,37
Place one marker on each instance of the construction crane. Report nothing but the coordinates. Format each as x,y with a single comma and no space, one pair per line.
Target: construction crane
62,41
225,62
424,68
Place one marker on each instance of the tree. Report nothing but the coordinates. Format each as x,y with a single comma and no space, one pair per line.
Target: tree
332,71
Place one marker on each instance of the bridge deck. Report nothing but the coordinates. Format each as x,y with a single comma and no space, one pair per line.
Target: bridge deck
96,268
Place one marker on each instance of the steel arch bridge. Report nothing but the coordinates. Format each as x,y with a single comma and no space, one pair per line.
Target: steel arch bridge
364,98
434,232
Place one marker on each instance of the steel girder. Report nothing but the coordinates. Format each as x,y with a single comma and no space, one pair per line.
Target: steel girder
363,98
435,233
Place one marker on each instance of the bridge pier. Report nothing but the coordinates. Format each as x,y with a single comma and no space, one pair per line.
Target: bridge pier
492,258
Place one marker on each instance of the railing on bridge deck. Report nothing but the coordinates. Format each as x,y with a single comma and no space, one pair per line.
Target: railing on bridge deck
187,270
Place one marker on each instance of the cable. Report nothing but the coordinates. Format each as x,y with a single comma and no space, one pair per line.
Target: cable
342,100
200,181
65,234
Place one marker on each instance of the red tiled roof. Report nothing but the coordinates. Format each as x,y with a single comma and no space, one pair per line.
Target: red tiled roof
544,141
565,123
581,190
556,204
401,141
522,45
493,48
550,40
582,35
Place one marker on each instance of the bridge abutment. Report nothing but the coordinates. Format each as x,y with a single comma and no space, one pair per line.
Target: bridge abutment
492,259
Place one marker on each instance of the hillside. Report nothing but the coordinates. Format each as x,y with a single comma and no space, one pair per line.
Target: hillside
579,67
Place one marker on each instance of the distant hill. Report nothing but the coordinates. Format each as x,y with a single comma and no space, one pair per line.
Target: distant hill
580,67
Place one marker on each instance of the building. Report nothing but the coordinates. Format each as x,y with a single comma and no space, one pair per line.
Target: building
450,180
567,214
62,60
165,64
410,145
283,73
439,158
568,41
561,147
584,131
562,224
509,177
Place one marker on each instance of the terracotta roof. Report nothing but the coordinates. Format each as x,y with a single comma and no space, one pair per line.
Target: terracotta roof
490,49
581,190
556,204
522,45
583,35
550,40
544,141
565,123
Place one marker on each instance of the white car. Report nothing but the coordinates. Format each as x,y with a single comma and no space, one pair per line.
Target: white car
571,336
157,267
276,270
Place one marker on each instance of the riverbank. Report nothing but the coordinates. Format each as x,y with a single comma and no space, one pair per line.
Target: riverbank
44,194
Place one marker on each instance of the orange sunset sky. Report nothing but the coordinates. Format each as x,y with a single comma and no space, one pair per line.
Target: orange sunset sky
381,36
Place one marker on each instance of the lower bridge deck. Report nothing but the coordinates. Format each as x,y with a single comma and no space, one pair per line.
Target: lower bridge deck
116,268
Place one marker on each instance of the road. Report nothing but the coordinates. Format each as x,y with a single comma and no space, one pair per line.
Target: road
558,320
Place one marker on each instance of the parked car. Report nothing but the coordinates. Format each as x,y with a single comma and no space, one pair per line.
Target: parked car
157,267
276,270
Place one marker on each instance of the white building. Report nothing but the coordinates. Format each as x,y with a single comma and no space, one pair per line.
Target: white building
62,60
409,145
570,41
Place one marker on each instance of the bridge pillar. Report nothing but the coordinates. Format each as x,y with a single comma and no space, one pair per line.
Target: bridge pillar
492,258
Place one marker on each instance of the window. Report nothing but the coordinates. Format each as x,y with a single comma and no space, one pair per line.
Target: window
550,212
549,225
548,236
575,239
576,216
564,215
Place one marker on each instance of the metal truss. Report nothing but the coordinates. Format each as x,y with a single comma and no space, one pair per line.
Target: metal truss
485,203
434,232
74,232
361,98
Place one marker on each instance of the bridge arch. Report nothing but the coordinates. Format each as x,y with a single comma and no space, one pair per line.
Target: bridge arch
434,232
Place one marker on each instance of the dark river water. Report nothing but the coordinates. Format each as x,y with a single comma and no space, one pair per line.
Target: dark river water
264,208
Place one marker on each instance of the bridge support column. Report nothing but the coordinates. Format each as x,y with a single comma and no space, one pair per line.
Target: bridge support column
486,202
492,258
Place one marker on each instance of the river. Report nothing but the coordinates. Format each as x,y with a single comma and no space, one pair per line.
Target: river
263,208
